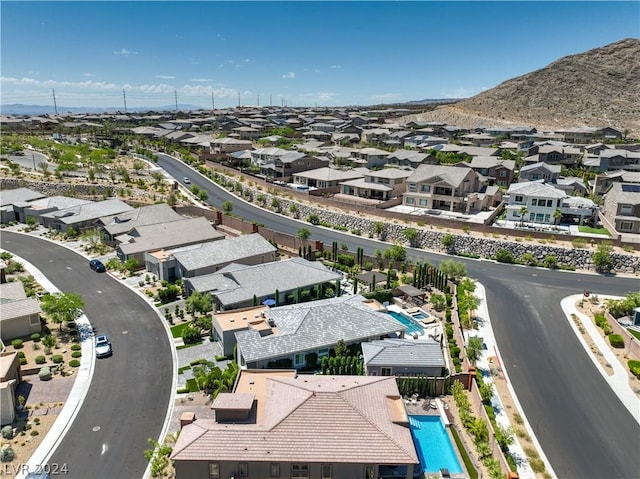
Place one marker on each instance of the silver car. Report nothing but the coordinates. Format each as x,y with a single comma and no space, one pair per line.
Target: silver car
103,347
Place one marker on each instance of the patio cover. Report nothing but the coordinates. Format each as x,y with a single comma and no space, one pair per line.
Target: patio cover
411,291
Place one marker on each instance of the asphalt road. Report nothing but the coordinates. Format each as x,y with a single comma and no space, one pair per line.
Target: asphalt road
131,391
583,428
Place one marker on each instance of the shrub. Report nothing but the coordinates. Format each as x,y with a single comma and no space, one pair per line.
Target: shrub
17,343
191,335
504,256
35,337
7,432
74,363
6,453
579,243
634,367
76,354
21,354
23,361
76,347
44,374
616,340
34,433
40,359
57,358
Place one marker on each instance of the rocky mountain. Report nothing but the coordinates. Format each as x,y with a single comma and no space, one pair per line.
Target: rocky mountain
600,87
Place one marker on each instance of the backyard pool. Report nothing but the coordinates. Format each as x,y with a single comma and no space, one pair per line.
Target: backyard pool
433,445
411,325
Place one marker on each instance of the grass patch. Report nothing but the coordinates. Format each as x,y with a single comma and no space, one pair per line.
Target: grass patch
192,386
176,331
183,369
635,333
473,474
595,231
185,346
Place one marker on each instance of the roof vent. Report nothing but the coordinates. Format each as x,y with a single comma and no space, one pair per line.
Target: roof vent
244,318
231,320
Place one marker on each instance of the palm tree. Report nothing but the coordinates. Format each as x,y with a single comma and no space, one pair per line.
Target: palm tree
474,349
557,216
523,211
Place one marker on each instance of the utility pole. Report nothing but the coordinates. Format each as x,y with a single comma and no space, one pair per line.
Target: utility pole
124,96
55,106
213,101
258,99
175,94
238,99
270,100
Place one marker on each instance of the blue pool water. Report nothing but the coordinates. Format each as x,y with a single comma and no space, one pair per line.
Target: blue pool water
412,326
419,316
434,448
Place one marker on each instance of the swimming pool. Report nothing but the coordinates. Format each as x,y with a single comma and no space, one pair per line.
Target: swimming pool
433,445
411,325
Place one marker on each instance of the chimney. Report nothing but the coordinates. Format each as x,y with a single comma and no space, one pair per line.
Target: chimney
187,418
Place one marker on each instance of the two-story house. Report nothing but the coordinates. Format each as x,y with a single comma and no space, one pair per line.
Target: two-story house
380,185
439,187
370,157
494,169
534,202
539,171
622,207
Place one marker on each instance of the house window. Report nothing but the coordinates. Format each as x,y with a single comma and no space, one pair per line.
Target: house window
368,472
423,202
243,469
409,200
385,371
326,471
214,470
626,209
300,471
323,352
298,359
425,188
625,226
503,173
412,188
534,202
532,216
519,199
275,470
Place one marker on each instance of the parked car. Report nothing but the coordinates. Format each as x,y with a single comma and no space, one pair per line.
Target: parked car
103,347
187,181
97,266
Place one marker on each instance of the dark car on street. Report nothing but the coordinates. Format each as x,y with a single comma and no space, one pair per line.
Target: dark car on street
97,266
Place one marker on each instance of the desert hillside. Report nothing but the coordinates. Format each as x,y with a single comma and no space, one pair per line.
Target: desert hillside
600,87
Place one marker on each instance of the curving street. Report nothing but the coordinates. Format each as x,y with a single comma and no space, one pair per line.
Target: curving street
583,428
130,392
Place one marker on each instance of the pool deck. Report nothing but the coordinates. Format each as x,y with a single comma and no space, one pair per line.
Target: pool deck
433,329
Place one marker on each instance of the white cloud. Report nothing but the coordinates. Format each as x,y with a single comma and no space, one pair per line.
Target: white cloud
335,66
88,75
289,75
246,60
317,70
165,77
201,80
125,51
387,96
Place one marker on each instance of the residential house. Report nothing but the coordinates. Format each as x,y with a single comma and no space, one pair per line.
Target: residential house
468,150
10,377
13,201
83,216
375,186
424,141
225,325
539,171
155,237
326,178
239,286
304,333
555,154
207,258
621,207
19,315
403,357
603,181
115,225
534,202
283,164
375,136
223,146
276,423
409,159
35,209
578,135
246,133
449,188
370,157
493,169
618,159
478,139
572,185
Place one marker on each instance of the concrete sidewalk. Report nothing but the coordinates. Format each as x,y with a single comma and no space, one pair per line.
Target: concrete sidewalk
619,380
485,331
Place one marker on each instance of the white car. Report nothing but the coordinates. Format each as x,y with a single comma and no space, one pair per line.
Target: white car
186,180
103,347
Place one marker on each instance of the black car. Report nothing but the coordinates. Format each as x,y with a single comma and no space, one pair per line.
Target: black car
97,266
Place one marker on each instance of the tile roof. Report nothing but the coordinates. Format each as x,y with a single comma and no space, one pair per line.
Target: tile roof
229,250
452,175
336,419
536,188
145,215
89,211
237,283
18,195
329,174
403,352
315,325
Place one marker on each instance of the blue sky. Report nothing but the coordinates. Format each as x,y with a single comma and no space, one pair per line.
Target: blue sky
301,53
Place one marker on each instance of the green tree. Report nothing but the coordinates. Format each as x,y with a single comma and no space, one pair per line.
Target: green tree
396,253
62,307
522,212
557,216
474,349
411,234
378,228
341,348
227,207
303,233
199,303
438,301
601,258
453,269
448,241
